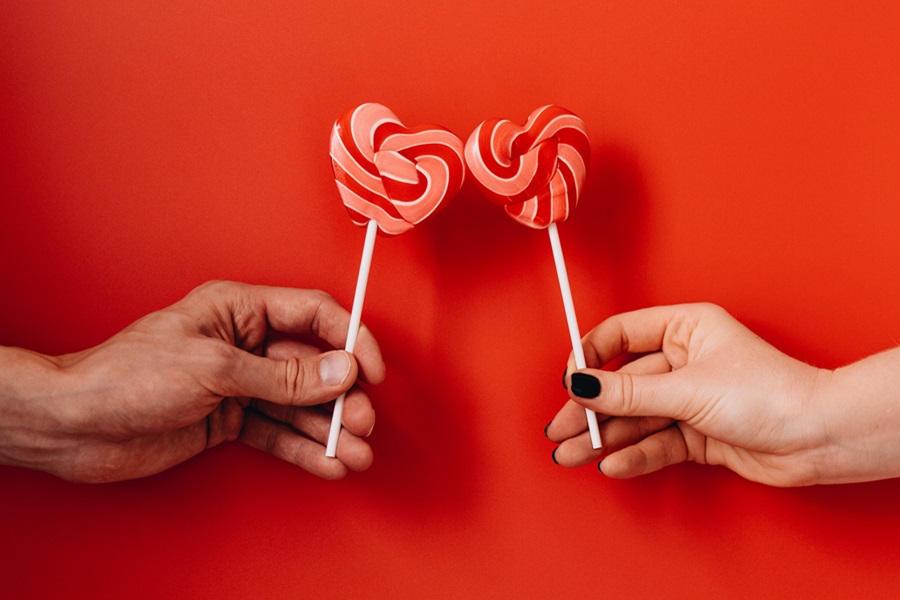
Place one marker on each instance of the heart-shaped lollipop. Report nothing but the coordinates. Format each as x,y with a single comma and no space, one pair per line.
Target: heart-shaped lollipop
536,171
390,178
392,174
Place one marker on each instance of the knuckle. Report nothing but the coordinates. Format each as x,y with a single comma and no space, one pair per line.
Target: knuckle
292,383
624,340
628,394
321,296
298,376
324,306
710,310
210,286
321,301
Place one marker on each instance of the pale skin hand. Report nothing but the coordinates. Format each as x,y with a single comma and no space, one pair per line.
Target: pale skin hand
706,389
214,367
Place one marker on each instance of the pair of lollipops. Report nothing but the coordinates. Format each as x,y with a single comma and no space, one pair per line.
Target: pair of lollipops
392,177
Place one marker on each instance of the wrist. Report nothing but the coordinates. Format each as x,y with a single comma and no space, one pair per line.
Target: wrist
861,418
30,388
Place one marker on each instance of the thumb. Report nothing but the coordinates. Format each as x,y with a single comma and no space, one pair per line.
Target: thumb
627,394
295,381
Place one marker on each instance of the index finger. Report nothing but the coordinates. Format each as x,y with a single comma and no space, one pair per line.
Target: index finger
312,311
298,311
660,328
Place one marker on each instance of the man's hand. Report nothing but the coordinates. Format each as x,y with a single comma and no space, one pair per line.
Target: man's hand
228,362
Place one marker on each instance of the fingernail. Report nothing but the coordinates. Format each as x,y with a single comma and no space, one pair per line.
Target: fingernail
585,386
546,428
334,368
564,377
600,467
553,456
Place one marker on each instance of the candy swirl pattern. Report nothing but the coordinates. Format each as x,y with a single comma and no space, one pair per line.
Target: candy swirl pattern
396,175
536,171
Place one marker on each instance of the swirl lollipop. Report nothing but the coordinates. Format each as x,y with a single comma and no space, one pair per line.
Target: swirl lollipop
390,179
536,173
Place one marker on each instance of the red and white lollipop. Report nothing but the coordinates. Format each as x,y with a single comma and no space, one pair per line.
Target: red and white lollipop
391,174
390,178
536,172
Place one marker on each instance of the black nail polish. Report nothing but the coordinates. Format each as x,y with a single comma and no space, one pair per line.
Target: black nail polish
585,386
546,428
600,467
553,456
564,378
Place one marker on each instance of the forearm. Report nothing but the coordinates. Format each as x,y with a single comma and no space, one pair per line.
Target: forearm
30,394
861,411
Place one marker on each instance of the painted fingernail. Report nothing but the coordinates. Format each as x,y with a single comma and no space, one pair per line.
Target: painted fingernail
553,456
546,428
585,386
600,467
564,378
334,368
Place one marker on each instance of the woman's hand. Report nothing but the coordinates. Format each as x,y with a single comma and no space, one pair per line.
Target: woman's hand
704,388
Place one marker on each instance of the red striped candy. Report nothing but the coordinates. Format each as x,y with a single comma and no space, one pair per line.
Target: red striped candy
535,172
395,175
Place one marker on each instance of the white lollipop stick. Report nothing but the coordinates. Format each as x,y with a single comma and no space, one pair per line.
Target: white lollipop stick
569,305
353,329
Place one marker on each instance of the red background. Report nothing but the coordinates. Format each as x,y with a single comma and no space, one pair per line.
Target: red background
745,155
